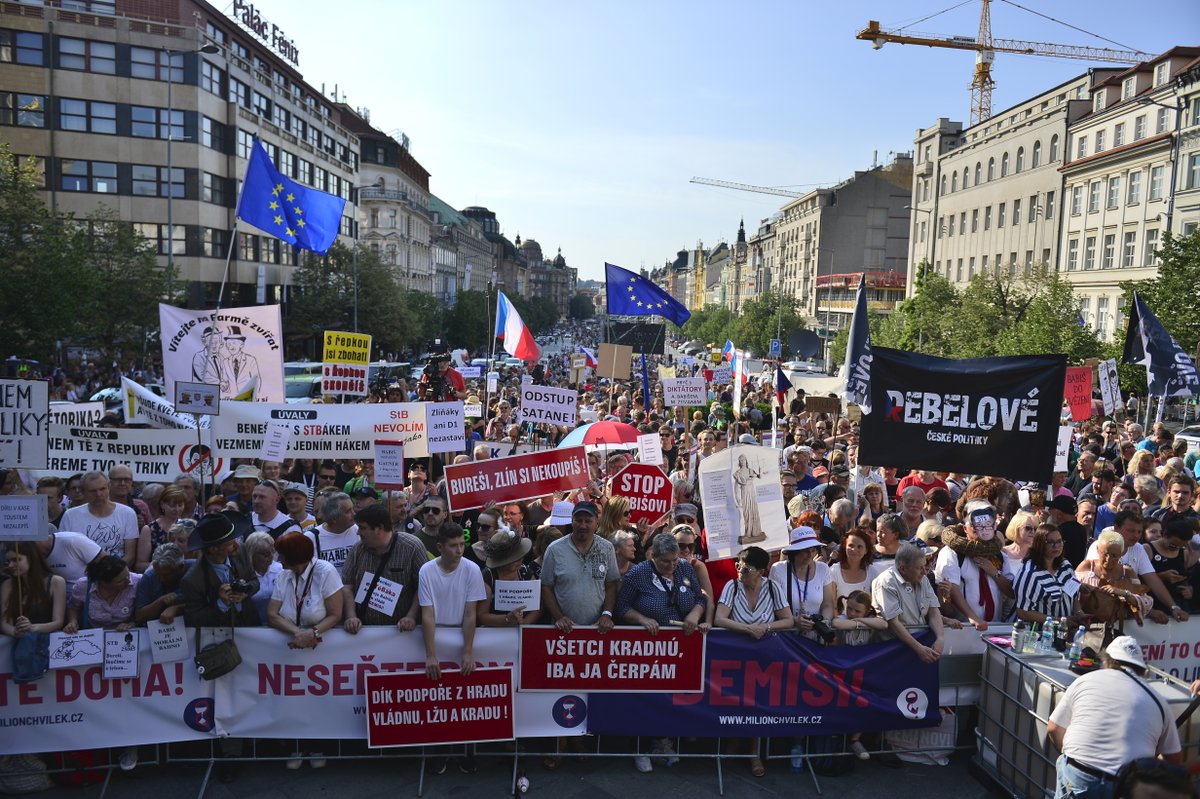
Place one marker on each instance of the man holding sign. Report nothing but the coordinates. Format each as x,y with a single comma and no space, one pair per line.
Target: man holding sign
381,573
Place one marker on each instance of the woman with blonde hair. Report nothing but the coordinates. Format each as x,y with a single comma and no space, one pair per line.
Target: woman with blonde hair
1019,532
1142,462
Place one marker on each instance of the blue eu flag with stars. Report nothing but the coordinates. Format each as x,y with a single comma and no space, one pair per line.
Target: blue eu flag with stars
281,207
633,295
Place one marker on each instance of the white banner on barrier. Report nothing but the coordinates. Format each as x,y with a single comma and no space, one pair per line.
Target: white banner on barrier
156,455
321,431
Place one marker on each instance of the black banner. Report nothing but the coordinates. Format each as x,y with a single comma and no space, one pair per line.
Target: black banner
642,336
993,416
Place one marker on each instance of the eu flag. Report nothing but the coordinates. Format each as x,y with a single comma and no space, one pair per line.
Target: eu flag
281,207
632,295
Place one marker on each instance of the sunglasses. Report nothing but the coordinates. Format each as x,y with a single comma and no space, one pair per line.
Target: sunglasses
431,510
685,520
485,527
687,547
327,477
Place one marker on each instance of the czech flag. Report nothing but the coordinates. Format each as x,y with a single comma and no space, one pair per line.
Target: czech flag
518,341
782,386
729,353
592,361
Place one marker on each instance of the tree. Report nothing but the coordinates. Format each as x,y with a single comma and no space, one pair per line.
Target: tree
763,318
923,322
1172,294
712,325
467,323
582,307
1050,323
837,347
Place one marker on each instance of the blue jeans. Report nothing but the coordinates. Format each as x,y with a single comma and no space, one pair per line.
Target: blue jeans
1076,784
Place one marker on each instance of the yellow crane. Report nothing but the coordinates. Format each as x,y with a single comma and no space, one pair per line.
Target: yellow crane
986,47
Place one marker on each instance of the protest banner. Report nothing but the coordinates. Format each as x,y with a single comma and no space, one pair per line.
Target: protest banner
143,406
446,429
922,417
389,464
1174,647
156,455
719,375
346,361
473,410
624,660
503,449
470,372
1078,391
77,707
1062,450
513,594
76,414
411,709
305,693
650,449
1110,386
478,484
239,349
685,391
743,505
648,490
614,361
784,685
24,518
168,642
201,399
818,404
83,648
24,423
121,654
321,431
550,405
275,441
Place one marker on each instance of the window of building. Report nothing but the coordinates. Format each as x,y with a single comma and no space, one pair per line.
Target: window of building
1110,249
927,154
1156,182
287,163
1119,134
1139,128
978,173
1016,212
1127,88
108,7
1085,309
966,177
1089,253
211,78
1160,120
239,93
942,190
1033,208
87,116
1133,194
971,266
91,176
245,143
1128,249
156,123
154,181
941,226
213,242
282,118
1160,73
23,110
1098,101
1049,205
1193,170
953,182
162,235
975,220
1020,165
1102,317
921,238
87,55
304,173
991,173
958,273
247,247
1000,215
1004,165
1036,158
1114,192
1101,140
1150,256
261,105
962,224
1028,261
1053,148
1072,255
214,189
21,47
1081,147
1094,197
987,218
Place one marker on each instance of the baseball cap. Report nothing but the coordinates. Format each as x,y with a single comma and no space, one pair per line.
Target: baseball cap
686,509
1126,649
298,488
1064,504
585,507
803,538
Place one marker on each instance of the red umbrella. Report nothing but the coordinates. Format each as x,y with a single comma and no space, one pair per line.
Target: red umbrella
601,434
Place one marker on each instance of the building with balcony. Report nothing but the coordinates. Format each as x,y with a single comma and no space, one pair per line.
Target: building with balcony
118,106
1129,157
837,295
988,198
508,267
393,202
463,257
550,278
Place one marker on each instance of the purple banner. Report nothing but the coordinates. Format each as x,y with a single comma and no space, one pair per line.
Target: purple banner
785,685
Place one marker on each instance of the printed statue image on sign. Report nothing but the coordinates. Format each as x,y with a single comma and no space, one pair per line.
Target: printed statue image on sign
239,349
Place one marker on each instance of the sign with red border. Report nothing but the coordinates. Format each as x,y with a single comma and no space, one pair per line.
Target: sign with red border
648,490
623,660
409,709
534,474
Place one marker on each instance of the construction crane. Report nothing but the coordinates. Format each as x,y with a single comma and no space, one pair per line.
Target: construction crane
726,184
986,47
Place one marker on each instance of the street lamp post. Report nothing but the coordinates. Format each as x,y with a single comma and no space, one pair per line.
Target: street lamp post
208,49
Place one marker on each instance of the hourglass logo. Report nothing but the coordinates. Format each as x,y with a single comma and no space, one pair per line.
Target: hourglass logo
913,703
569,711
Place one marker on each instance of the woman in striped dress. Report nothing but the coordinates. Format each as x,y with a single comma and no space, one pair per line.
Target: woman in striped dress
1046,586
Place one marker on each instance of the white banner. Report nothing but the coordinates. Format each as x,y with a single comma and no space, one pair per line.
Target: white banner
321,431
1110,386
549,405
78,708
24,423
76,414
1062,451
743,500
155,455
685,391
240,349
318,693
143,406
24,518
447,426
722,375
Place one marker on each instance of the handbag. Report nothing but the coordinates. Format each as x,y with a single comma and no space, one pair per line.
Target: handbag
31,656
217,660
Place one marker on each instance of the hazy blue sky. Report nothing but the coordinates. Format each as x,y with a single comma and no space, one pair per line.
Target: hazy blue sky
580,124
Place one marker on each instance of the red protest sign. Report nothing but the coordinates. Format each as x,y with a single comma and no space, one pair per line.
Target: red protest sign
623,660
409,709
1078,391
649,491
534,474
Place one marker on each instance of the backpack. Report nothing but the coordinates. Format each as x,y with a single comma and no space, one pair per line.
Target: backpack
829,756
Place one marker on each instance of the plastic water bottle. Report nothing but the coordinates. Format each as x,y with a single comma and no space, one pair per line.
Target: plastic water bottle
522,783
1018,637
1076,650
1047,643
797,759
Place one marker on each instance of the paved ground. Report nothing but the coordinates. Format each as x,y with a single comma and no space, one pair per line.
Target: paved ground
593,778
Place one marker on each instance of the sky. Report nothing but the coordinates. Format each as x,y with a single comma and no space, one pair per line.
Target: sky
580,124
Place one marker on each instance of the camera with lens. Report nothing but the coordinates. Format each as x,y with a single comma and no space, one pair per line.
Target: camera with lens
822,628
240,586
433,386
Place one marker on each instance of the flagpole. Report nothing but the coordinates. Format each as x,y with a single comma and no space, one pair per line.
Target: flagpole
228,258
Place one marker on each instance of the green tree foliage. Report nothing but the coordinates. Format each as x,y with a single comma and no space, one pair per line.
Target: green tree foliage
712,325
1173,295
582,307
837,348
467,324
764,318
539,313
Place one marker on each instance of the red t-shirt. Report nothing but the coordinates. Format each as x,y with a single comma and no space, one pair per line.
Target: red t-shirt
915,480
719,571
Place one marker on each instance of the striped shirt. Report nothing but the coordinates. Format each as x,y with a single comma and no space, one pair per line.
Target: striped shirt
733,596
1041,591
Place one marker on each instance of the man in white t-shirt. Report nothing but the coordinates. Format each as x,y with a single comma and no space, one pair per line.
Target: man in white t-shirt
114,527
1131,525
266,516
977,588
69,554
447,589
295,502
339,532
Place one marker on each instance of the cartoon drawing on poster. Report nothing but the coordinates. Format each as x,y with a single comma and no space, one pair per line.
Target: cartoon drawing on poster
743,500
84,648
237,349
241,368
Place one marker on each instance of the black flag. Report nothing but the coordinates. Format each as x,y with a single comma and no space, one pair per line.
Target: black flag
1169,370
858,352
